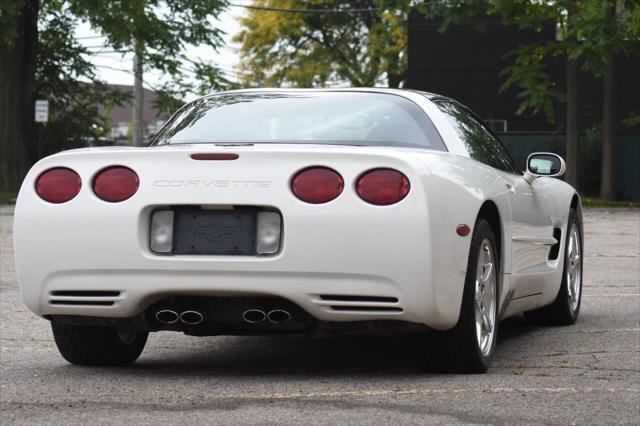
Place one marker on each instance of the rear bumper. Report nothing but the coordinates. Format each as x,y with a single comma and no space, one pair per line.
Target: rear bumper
389,282
327,296
317,293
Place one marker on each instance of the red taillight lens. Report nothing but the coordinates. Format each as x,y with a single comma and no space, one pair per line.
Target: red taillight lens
317,185
58,185
115,184
383,187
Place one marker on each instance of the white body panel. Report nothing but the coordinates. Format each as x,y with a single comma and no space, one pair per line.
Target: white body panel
409,250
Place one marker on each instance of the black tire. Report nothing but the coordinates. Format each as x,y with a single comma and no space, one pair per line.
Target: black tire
560,311
458,350
84,345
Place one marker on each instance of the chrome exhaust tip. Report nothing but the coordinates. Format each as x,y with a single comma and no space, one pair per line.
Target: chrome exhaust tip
167,316
254,316
278,316
191,317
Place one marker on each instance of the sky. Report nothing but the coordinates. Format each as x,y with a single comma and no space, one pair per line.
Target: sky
116,68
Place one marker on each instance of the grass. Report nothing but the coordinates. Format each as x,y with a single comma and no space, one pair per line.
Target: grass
596,202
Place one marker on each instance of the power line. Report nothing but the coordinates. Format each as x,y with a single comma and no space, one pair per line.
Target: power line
294,10
113,68
227,71
95,52
90,37
108,56
223,68
149,86
94,47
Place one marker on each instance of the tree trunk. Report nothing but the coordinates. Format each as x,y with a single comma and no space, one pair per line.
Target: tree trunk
395,76
17,78
608,169
572,123
394,80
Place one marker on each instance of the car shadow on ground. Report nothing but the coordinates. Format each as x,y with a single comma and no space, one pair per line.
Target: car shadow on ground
275,355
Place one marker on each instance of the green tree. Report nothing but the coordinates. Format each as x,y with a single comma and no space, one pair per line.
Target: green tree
67,79
593,34
605,30
159,31
18,47
530,70
39,56
317,42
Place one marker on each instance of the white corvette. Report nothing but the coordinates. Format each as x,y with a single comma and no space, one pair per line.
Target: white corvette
300,211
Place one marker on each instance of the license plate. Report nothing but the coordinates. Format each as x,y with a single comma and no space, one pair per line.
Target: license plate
221,232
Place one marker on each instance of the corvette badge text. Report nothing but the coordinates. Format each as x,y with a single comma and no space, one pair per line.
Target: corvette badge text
212,183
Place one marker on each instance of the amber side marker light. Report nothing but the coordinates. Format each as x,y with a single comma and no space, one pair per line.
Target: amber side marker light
214,157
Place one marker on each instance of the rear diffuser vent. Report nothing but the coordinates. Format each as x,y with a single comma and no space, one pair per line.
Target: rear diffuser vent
83,297
357,303
81,302
83,293
376,299
366,308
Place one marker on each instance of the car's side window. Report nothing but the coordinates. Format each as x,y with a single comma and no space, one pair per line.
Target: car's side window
478,140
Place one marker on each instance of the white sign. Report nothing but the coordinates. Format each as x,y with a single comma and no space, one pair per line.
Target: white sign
42,111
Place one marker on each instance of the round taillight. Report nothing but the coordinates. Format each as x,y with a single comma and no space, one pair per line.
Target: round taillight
58,185
115,184
383,187
317,185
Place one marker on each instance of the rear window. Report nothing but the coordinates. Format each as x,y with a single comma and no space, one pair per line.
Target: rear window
337,118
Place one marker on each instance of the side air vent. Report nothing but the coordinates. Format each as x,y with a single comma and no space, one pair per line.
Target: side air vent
358,303
555,249
84,297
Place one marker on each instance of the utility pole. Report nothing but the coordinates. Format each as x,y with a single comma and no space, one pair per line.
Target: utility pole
138,95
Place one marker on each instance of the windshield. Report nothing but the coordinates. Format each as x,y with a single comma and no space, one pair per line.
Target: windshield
337,118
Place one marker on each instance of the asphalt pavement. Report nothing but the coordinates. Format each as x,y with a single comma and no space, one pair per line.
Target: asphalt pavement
588,373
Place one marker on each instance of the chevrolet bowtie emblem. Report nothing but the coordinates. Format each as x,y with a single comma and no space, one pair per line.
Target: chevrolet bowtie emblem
214,231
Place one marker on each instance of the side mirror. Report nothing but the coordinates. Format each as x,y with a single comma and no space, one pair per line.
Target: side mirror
544,164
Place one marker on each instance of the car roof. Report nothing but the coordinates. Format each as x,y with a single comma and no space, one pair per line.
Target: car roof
390,90
431,96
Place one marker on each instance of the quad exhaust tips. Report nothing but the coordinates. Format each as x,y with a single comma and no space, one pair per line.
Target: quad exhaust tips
191,317
168,316
254,316
276,316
